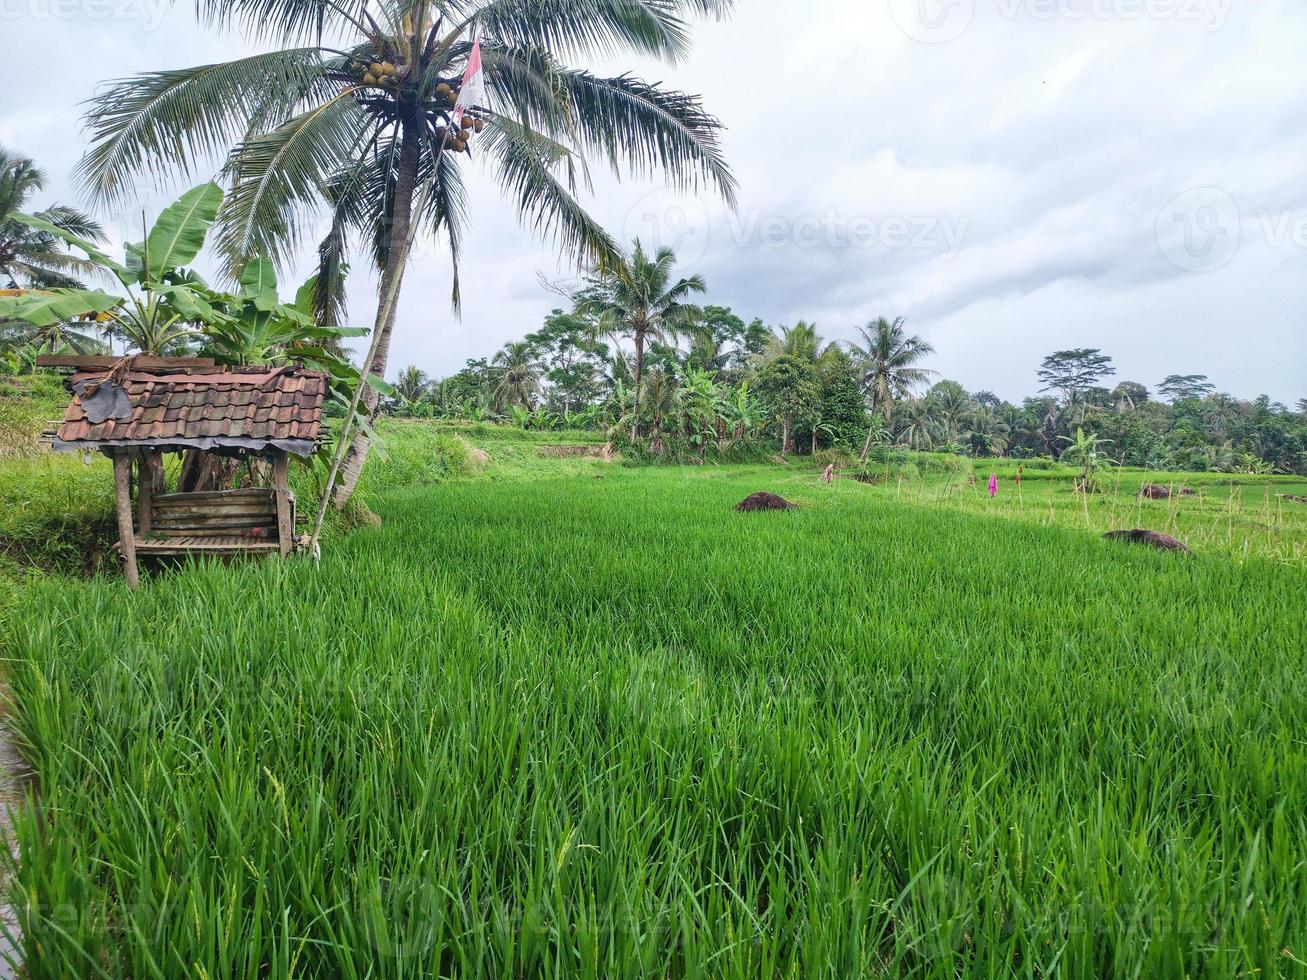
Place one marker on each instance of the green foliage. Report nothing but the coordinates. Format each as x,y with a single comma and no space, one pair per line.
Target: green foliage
56,514
1073,371
789,392
27,405
413,456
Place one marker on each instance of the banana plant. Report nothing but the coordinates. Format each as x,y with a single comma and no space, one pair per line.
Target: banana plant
1087,450
164,304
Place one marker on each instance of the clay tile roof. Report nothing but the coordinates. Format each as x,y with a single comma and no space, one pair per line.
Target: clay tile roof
246,409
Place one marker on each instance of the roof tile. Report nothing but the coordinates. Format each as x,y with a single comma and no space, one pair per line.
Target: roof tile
277,405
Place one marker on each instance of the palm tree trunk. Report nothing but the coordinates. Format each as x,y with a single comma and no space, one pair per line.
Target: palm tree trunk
871,430
392,277
639,379
785,435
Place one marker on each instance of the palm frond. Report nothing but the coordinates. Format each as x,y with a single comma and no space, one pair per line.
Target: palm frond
289,20
585,27
525,161
648,129
278,178
169,123
73,221
329,284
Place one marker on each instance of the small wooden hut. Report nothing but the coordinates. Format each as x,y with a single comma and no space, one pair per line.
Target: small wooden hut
233,430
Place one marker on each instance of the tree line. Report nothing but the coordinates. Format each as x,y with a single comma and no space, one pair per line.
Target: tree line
632,355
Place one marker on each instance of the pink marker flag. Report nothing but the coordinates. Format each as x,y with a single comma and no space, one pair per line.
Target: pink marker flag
993,484
472,93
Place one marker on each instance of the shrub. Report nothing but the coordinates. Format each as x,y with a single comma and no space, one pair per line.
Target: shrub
414,455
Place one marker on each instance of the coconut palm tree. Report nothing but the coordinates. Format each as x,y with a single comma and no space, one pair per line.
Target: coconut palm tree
518,374
918,428
987,433
800,341
411,384
365,132
888,359
636,298
30,258
953,407
53,338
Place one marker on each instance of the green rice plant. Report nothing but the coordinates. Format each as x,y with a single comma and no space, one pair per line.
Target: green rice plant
578,728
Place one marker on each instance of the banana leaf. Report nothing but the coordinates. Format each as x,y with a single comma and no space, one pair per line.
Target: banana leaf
259,284
178,233
50,306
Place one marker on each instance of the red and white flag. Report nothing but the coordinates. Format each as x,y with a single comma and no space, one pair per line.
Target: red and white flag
472,93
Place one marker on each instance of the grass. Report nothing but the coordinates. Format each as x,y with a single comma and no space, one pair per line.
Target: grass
540,723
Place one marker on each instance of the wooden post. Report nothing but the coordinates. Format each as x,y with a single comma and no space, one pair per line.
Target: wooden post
122,488
281,493
144,492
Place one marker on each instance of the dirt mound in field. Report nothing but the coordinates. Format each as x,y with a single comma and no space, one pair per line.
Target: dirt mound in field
1154,539
764,501
1296,500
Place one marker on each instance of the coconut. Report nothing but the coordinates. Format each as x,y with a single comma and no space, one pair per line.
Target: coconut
467,122
388,68
443,89
376,68
369,80
478,125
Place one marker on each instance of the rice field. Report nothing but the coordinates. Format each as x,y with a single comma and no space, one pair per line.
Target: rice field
561,718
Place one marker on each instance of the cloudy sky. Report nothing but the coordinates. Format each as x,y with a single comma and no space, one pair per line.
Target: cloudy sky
1013,176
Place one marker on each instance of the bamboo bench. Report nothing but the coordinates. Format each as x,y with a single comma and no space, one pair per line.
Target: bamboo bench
214,522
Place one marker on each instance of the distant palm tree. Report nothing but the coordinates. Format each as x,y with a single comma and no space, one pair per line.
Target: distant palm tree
800,341
637,298
951,404
53,338
411,384
917,427
31,258
518,373
987,432
365,132
664,403
888,360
